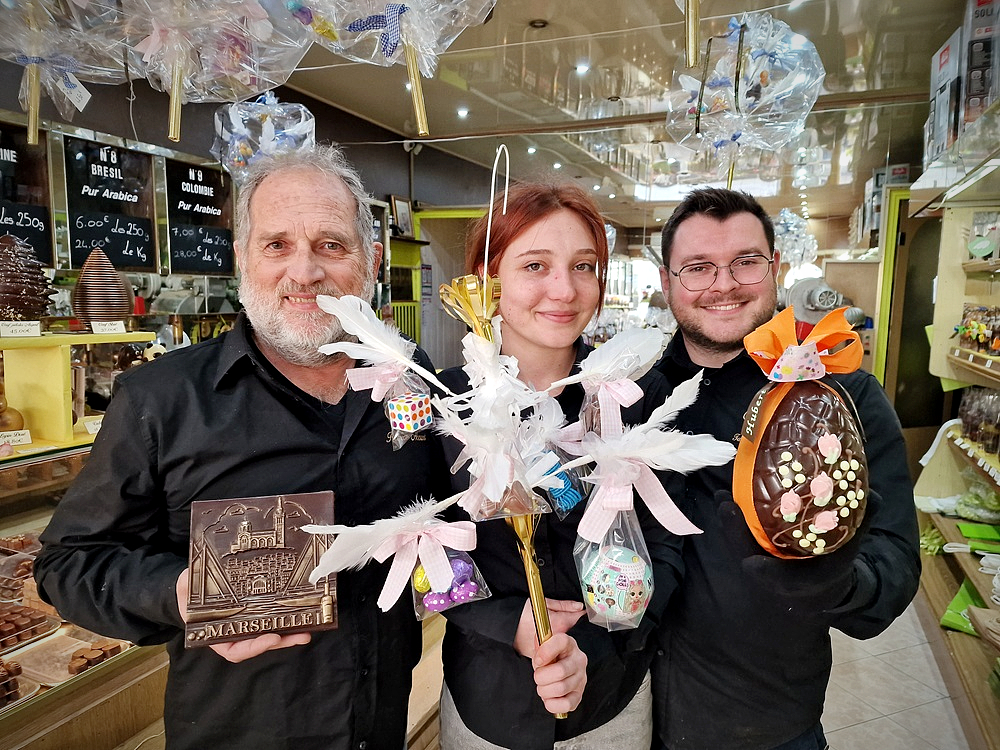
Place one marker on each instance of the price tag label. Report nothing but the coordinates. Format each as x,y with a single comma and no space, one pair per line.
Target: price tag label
73,90
972,357
108,326
20,328
93,424
16,437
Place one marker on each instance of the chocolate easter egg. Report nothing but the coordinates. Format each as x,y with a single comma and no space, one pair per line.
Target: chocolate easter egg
101,292
24,287
800,477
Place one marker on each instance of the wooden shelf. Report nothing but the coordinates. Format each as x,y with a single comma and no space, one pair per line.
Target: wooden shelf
977,362
50,339
988,466
964,563
989,265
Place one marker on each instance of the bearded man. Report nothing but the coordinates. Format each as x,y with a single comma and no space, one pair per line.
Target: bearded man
257,411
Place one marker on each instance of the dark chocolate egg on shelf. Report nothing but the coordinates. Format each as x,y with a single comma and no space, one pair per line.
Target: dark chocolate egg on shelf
800,476
24,287
101,292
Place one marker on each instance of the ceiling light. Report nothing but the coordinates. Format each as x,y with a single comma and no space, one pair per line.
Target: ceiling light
658,218
463,112
532,149
538,23
582,68
557,165
611,195
408,86
596,188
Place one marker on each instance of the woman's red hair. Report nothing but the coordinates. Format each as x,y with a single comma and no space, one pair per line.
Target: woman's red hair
527,203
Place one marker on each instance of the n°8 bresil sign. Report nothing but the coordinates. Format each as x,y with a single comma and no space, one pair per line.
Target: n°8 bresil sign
199,219
109,200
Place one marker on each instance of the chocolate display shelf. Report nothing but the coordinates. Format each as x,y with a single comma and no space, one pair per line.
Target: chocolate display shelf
20,625
986,465
26,688
977,362
51,660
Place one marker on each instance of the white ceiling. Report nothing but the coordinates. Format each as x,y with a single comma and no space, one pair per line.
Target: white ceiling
606,127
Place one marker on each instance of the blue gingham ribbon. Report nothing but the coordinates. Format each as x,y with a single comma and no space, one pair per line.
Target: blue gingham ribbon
63,65
735,137
388,21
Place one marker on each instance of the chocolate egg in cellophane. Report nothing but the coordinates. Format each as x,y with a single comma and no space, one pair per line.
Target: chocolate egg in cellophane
617,584
800,475
467,585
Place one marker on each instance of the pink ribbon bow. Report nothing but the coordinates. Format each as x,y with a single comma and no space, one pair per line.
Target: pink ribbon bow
612,396
380,378
426,545
614,494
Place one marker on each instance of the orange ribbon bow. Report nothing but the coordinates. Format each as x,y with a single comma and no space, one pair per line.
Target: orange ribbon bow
775,347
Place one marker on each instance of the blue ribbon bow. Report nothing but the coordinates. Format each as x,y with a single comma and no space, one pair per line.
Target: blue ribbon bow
63,65
388,21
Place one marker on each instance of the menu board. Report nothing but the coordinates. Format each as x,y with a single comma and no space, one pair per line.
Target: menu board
109,200
199,219
24,191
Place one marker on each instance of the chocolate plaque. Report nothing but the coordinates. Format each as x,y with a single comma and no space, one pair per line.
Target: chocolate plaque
249,568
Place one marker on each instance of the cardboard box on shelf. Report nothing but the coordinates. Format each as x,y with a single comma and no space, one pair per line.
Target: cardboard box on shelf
977,58
945,96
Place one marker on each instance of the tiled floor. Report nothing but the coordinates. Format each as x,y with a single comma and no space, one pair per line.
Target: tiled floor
886,693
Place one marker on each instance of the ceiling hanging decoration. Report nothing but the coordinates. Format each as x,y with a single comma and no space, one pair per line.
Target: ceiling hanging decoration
793,240
60,44
756,85
380,33
213,50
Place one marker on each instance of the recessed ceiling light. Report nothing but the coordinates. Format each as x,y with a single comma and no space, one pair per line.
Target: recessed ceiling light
658,218
596,188
612,196
532,149
463,112
538,23
582,68
557,165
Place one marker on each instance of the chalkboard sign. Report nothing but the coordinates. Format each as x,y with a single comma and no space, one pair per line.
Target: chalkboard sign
109,198
199,218
24,191
201,250
126,240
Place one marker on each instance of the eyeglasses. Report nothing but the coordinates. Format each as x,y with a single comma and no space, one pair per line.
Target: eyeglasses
750,269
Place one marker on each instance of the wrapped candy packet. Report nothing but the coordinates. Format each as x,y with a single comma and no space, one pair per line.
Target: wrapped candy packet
800,476
608,376
616,576
427,554
466,585
391,374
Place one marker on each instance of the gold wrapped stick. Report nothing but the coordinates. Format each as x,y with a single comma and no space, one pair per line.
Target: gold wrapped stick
176,97
34,76
692,42
416,88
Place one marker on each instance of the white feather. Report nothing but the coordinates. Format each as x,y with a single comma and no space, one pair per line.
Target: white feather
683,396
379,344
628,354
354,545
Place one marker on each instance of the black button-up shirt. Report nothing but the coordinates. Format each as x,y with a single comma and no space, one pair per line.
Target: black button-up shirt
491,683
217,420
739,671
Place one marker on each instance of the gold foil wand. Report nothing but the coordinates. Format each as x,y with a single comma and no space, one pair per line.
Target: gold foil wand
524,527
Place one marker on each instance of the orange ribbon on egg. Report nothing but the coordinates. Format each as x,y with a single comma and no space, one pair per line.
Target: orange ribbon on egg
772,341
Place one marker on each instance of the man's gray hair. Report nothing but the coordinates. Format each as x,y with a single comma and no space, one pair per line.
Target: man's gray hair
328,160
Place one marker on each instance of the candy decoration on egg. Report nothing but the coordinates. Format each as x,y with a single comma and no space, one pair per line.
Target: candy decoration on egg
410,412
800,476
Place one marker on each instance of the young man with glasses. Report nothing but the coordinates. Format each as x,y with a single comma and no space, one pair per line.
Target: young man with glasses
745,653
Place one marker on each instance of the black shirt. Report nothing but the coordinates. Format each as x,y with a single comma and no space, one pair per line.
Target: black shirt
212,421
737,672
492,685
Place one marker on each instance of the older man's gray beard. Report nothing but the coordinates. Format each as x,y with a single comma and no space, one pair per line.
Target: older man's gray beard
295,337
